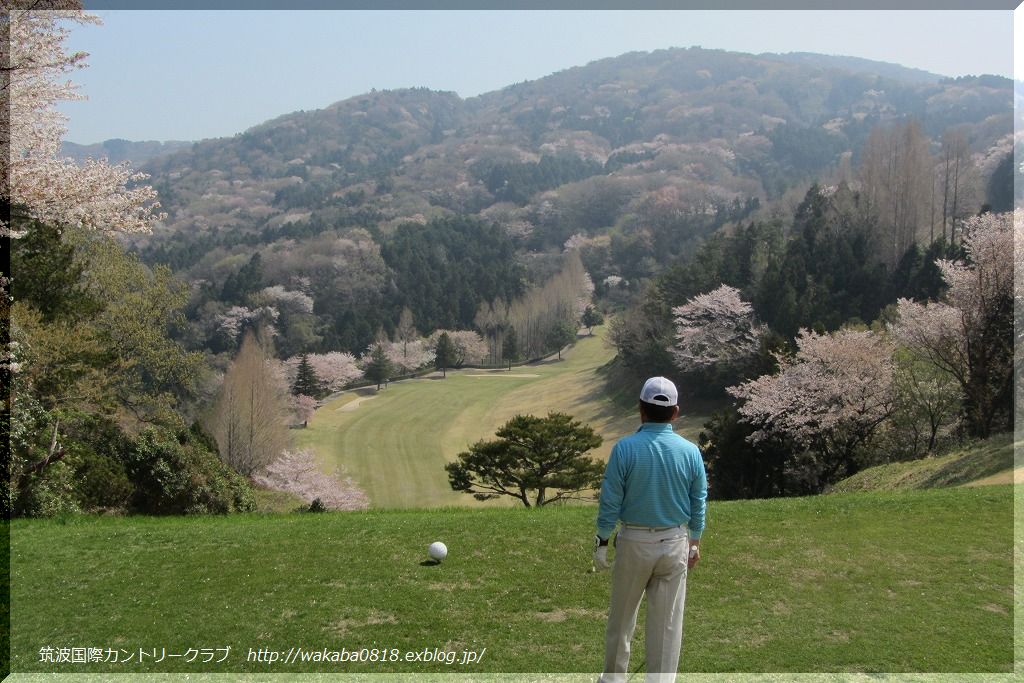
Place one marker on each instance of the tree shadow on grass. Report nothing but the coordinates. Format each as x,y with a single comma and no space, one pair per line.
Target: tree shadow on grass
541,362
984,463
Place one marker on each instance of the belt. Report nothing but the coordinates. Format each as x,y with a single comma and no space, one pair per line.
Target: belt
652,529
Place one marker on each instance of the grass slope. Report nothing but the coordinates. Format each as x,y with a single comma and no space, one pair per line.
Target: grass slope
871,582
990,461
395,442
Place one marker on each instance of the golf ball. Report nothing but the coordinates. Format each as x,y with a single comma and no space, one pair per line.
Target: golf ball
437,551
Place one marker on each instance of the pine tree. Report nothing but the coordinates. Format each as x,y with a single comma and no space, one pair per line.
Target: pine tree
444,354
545,455
510,349
306,380
379,369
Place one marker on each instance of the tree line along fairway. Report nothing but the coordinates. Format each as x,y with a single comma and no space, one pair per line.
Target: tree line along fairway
395,442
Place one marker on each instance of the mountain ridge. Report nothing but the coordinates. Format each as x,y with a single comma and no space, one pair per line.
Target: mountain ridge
583,151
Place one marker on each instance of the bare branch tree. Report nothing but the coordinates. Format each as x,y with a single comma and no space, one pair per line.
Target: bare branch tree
250,420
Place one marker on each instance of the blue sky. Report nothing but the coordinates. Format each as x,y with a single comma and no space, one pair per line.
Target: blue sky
189,75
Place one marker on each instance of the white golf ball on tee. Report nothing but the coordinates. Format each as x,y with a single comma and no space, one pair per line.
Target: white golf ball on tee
437,551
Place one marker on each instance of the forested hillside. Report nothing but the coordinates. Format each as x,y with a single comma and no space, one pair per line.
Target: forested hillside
739,218
637,159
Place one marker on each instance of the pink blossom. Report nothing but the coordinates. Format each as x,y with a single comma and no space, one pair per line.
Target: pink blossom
411,355
95,195
280,297
303,407
335,369
469,346
298,473
714,329
836,386
942,331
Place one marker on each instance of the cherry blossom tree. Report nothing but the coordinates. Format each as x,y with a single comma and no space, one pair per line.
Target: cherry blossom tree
303,407
469,346
717,329
237,319
970,333
575,241
335,369
409,355
298,473
829,398
42,186
286,299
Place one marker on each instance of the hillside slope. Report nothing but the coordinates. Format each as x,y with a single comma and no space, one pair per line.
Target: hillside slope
723,125
991,461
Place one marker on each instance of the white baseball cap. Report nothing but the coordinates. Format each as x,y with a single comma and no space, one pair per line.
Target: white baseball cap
660,392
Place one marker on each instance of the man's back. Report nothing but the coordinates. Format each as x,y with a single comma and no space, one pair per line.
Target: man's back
654,478
655,484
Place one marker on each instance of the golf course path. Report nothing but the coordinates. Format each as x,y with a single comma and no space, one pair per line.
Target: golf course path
355,403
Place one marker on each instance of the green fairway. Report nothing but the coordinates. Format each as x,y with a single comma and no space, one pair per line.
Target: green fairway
395,442
868,582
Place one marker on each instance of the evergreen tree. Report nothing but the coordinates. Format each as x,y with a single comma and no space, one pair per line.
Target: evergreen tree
379,369
48,276
738,468
306,381
999,190
531,454
445,269
510,349
445,353
247,280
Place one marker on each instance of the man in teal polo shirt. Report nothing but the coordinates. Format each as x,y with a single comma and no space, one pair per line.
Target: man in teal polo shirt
655,484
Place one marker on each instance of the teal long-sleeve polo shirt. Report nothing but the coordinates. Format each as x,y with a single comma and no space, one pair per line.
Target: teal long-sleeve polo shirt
654,478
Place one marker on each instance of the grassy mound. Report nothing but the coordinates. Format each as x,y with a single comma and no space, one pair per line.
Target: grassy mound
979,461
872,582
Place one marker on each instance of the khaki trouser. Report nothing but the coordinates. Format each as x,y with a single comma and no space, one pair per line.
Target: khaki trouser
653,562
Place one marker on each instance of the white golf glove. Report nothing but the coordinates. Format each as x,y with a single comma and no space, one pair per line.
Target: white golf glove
601,555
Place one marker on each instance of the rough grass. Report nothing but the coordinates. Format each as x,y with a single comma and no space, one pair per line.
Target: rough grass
985,460
395,442
918,581
277,501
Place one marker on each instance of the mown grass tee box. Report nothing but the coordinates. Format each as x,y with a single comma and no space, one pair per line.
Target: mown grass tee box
868,582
